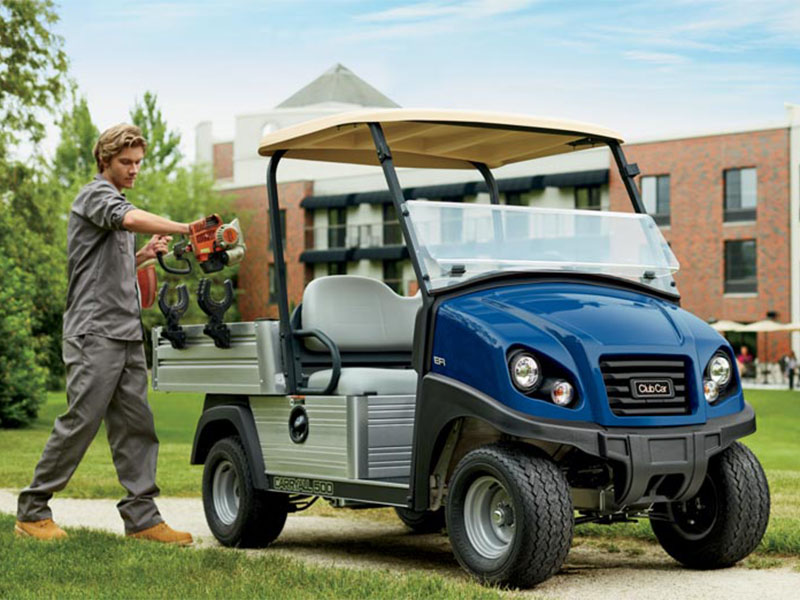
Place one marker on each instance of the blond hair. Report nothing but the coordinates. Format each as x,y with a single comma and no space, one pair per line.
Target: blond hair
113,140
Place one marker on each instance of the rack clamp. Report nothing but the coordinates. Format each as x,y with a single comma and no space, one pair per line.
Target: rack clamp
173,313
216,328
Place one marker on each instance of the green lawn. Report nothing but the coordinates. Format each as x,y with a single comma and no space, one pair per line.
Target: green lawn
93,564
176,416
777,445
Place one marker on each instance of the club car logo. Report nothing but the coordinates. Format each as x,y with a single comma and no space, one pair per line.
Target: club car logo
652,388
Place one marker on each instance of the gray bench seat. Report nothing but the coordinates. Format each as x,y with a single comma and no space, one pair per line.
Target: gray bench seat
361,315
360,381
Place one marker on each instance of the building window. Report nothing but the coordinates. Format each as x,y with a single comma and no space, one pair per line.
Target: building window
393,275
587,197
392,234
273,284
283,231
741,195
337,268
452,225
740,267
655,197
337,227
514,199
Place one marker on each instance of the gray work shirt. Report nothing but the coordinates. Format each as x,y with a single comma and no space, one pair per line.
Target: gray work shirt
102,292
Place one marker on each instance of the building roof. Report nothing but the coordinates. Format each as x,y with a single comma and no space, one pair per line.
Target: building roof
448,139
338,84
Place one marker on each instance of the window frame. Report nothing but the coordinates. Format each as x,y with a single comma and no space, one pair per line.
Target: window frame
396,282
738,214
662,218
339,233
589,189
740,285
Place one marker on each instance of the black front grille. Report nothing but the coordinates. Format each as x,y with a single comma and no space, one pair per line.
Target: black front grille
619,372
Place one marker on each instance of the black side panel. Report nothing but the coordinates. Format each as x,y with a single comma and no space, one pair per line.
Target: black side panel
224,420
643,456
349,490
443,400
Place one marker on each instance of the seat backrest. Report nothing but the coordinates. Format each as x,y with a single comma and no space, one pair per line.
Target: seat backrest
359,314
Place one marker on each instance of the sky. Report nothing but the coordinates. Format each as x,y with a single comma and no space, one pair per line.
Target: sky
644,68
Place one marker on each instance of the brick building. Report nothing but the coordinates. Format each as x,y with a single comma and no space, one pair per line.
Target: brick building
728,204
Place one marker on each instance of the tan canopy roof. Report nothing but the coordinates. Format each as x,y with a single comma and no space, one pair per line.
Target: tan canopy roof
447,139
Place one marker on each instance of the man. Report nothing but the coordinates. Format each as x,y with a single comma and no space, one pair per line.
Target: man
103,347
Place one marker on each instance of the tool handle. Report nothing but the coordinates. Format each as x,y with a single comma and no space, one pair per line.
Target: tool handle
168,269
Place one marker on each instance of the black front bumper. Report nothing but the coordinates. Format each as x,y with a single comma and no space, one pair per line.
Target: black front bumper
649,464
669,462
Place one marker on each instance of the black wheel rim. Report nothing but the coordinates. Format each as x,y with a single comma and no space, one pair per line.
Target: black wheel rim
695,517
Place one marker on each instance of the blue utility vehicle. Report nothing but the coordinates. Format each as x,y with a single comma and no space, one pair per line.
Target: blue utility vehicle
543,376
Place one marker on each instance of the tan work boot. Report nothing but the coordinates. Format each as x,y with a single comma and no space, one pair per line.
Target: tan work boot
46,529
163,533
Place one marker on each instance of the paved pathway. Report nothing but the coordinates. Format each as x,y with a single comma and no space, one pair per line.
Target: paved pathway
590,572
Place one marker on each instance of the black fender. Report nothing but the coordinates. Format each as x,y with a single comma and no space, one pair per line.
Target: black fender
681,450
225,420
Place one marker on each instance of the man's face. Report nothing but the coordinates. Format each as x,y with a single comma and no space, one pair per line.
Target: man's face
124,167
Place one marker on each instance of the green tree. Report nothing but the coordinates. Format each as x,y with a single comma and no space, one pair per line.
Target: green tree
33,72
33,79
73,162
163,145
31,295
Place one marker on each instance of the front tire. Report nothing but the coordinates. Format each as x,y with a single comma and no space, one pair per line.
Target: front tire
727,518
509,515
238,514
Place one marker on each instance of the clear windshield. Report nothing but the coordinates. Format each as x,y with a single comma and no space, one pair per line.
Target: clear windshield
456,242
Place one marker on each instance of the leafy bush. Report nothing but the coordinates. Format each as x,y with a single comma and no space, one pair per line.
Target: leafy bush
23,379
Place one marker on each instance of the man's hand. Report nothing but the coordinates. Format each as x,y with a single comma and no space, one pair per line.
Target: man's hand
158,243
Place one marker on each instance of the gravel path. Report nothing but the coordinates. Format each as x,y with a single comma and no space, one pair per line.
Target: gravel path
590,572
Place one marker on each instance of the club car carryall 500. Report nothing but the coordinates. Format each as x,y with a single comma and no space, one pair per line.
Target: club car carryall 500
544,375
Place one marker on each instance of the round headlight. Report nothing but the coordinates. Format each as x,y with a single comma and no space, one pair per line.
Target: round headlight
524,372
710,390
719,370
562,393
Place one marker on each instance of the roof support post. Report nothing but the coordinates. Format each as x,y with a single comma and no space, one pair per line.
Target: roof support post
290,367
627,172
494,198
385,158
491,182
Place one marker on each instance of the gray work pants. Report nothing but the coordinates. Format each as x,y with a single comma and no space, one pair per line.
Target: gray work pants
106,379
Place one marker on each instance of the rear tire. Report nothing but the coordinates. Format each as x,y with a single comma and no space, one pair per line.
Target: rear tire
727,518
509,515
238,514
426,521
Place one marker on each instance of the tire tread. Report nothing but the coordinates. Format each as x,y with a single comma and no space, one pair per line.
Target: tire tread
547,502
741,522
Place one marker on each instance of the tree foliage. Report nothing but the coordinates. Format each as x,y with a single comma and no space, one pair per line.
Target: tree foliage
32,81
33,69
163,145
74,160
31,295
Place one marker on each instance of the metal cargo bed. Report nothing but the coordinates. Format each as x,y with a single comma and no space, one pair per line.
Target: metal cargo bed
251,366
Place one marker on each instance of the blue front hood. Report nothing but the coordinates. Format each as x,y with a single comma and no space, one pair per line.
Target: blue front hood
595,315
574,325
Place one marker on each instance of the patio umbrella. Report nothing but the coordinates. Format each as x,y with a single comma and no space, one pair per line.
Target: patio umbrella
724,325
766,326
763,326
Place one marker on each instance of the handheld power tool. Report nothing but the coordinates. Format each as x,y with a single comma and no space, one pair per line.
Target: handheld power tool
214,244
